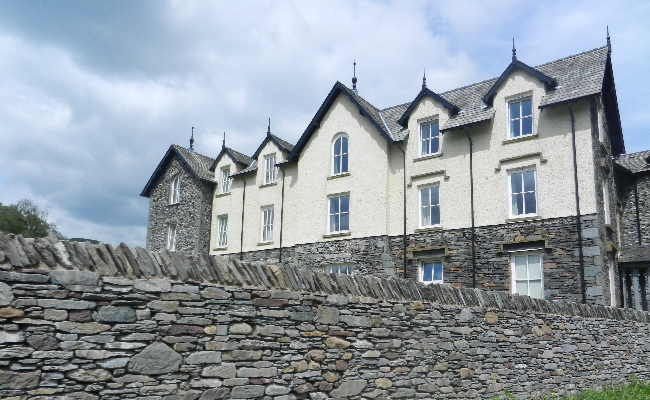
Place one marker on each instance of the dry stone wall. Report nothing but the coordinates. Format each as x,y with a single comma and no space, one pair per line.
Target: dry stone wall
90,322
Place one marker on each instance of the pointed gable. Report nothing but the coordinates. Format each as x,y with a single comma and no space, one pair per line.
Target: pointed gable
236,156
366,109
198,165
281,144
516,64
403,121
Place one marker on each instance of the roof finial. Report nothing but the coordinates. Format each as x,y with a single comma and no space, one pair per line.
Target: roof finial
223,145
514,51
354,78
192,141
609,41
424,79
268,131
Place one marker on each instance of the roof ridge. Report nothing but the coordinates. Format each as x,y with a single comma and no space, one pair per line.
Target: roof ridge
188,150
633,154
571,56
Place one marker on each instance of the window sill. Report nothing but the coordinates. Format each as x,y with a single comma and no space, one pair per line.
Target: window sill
432,282
429,229
336,234
220,248
427,157
268,184
265,243
520,139
223,194
173,204
520,219
338,176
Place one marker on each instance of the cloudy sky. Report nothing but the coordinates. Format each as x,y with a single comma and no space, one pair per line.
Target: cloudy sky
93,93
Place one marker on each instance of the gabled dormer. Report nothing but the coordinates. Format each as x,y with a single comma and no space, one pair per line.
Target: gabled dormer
228,162
514,65
404,119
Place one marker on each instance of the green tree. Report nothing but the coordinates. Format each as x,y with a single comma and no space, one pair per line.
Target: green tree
26,218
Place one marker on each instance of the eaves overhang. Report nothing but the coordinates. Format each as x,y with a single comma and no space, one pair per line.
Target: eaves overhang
403,121
146,192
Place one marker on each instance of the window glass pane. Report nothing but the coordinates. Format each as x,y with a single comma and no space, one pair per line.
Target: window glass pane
514,110
531,206
535,288
521,287
344,163
425,131
426,216
434,145
434,130
534,267
327,269
437,272
337,164
344,142
526,108
334,205
337,147
520,267
345,204
425,147
514,128
334,223
515,179
529,181
424,197
435,195
517,204
427,274
435,215
526,126
345,222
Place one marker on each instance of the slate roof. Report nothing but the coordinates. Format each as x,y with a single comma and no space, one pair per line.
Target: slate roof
250,168
634,254
198,164
286,146
470,100
635,162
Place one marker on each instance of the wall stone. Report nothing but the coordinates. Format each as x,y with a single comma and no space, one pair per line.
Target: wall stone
247,330
628,221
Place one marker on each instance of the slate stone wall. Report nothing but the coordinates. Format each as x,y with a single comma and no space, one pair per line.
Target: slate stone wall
383,256
629,227
192,215
95,322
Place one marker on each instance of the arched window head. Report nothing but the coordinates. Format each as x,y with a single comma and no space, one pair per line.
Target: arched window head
175,193
340,155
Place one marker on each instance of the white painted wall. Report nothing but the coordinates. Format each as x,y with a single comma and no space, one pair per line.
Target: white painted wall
375,181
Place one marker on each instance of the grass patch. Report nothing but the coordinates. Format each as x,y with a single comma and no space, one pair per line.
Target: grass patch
635,390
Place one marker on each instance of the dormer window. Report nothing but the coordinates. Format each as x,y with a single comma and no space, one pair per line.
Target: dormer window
269,169
175,193
429,138
340,155
520,112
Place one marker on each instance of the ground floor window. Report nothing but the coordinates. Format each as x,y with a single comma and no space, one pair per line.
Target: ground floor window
527,274
431,272
171,237
338,269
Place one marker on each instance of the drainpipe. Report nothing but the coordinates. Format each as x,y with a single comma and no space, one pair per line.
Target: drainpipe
241,236
281,214
578,216
404,202
636,204
471,195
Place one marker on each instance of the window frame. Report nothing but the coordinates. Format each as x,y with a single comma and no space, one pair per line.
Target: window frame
606,206
510,193
349,269
172,237
342,156
430,121
175,190
434,262
222,231
513,272
329,214
519,99
269,173
225,179
266,229
420,207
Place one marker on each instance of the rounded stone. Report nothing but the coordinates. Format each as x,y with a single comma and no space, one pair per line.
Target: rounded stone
491,318
383,383
240,329
336,343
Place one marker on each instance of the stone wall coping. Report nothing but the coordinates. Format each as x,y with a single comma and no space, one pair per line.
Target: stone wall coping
32,260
